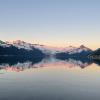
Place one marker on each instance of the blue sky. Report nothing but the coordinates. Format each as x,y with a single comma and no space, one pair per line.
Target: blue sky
51,22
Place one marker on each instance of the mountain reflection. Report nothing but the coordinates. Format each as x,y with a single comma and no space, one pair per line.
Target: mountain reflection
21,64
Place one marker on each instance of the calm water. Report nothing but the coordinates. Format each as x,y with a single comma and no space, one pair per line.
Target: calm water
50,79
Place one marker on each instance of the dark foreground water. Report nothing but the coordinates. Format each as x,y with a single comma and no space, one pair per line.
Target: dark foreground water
50,79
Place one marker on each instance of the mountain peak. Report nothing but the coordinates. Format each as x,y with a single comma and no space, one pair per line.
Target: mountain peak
85,48
21,44
18,42
82,46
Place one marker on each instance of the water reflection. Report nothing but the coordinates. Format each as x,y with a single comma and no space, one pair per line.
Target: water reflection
21,64
49,79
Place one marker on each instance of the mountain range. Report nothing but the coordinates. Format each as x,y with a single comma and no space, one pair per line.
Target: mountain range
21,48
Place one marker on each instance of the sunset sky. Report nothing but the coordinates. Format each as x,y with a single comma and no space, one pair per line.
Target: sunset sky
51,22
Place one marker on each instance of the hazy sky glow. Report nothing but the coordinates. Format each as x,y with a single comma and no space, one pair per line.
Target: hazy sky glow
51,22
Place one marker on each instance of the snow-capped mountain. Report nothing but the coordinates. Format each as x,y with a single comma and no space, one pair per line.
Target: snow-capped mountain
19,48
4,44
73,50
28,46
21,45
45,49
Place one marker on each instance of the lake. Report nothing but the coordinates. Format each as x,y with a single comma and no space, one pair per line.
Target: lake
50,79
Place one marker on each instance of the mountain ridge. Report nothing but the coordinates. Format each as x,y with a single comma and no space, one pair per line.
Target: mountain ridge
71,51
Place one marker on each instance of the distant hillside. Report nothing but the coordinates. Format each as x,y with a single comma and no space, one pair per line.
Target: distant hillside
10,50
95,54
21,48
74,52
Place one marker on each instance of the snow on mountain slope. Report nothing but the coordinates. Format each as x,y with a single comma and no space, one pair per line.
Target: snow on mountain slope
22,45
45,49
73,50
4,44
